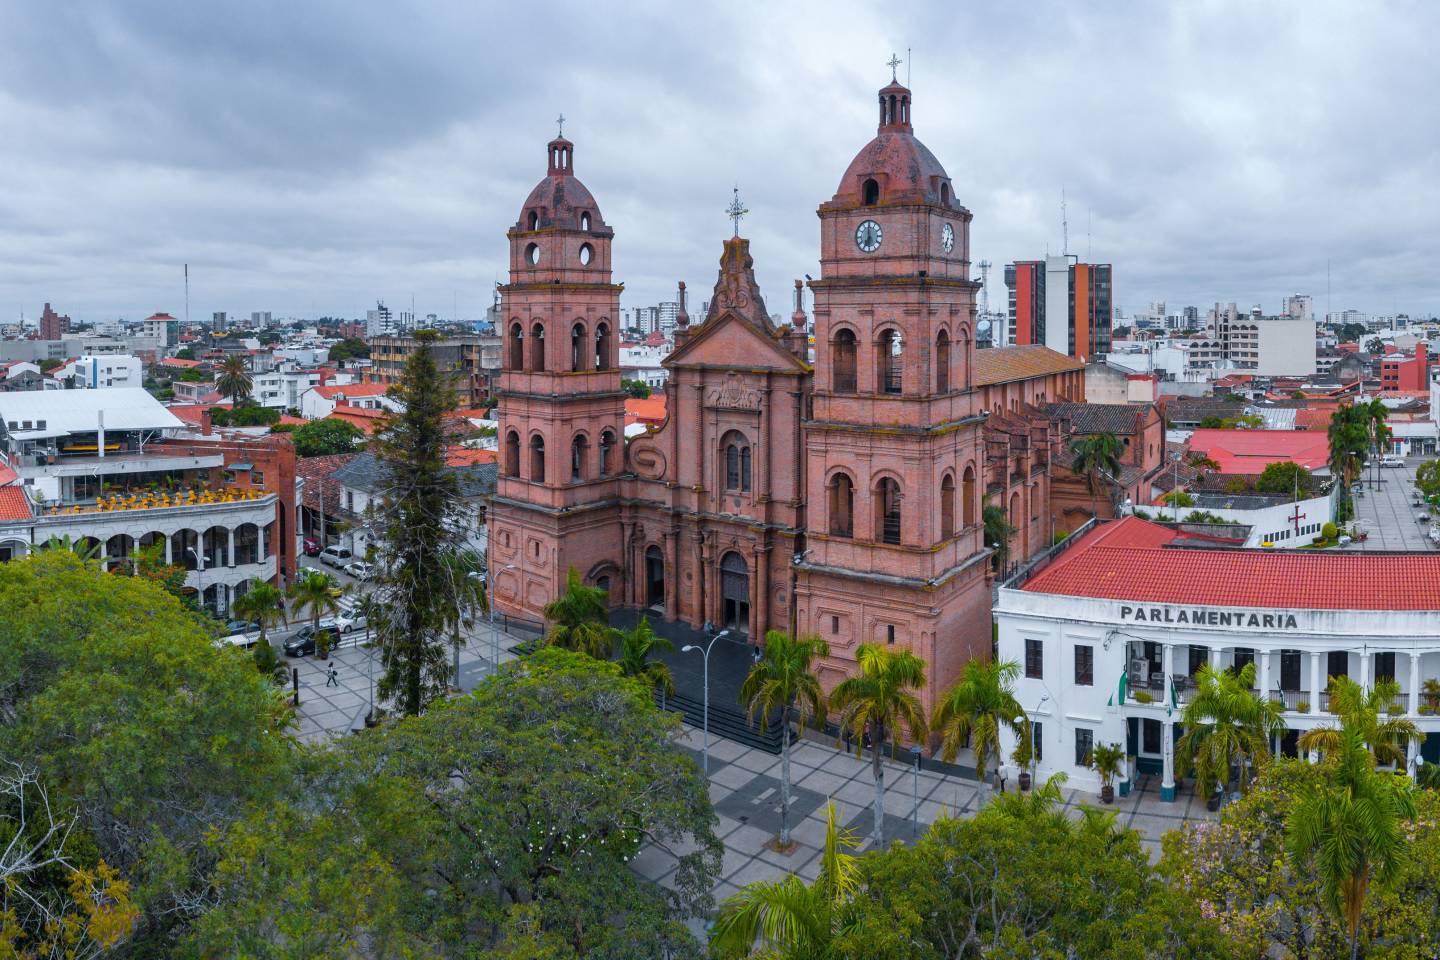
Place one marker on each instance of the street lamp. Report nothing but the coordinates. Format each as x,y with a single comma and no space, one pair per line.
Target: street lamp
705,715
199,571
1020,722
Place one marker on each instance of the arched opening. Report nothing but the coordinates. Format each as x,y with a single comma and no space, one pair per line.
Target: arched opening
534,219
734,594
117,551
602,346
942,362
217,547
737,461
579,450
607,448
967,494
1016,519
887,511
517,346
185,549
947,507
841,497
945,194
587,253
537,346
512,454
537,458
585,221
871,192
842,362
152,540
532,254
577,347
247,543
654,578
889,356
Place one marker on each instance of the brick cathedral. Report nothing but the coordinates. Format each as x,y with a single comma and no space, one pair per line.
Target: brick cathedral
839,498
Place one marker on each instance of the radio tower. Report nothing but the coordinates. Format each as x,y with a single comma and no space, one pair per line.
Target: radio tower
984,288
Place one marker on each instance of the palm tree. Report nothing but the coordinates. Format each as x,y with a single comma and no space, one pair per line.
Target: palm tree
786,916
262,604
1349,435
878,702
233,380
1368,713
782,680
998,531
311,592
634,657
1226,725
1374,414
582,618
1095,457
1350,831
976,709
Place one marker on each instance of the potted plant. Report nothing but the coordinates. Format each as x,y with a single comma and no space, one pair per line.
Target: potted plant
1143,696
1303,706
1105,759
1430,693
1023,755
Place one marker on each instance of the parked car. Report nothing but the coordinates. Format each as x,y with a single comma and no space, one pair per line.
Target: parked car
244,640
360,570
336,556
344,621
302,642
241,626
1392,460
310,547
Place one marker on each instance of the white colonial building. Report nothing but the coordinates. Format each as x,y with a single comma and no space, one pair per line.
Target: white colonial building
1150,603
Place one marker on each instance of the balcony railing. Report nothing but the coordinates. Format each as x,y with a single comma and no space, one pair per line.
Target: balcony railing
195,497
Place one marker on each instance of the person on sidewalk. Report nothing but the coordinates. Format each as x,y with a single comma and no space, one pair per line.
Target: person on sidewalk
332,676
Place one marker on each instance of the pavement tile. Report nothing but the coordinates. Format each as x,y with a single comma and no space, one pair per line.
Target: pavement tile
733,860
802,854
757,870
731,776
726,749
823,782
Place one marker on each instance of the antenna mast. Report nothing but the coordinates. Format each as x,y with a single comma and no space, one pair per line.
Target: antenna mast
1064,226
984,288
187,294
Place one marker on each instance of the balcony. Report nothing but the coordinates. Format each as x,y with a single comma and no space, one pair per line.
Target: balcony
148,500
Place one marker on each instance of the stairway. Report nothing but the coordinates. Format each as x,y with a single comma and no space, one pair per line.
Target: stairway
727,722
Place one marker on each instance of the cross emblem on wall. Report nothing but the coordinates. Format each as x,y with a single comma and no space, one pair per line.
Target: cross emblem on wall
1296,517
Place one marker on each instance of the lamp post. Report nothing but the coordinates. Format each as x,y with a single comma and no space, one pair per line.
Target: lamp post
915,792
1020,721
199,569
705,714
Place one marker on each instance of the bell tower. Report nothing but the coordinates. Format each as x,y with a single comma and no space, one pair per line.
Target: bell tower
562,410
894,457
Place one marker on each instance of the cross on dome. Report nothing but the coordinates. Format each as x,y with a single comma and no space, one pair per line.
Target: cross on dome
736,210
892,63
560,125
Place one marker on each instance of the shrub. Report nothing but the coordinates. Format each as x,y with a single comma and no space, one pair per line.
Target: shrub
1329,531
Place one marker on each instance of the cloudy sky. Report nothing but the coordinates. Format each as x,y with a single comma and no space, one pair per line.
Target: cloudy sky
310,157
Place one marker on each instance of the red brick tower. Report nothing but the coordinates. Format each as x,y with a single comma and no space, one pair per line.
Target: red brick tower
893,448
562,411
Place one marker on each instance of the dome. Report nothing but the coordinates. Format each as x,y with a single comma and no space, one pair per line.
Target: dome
560,200
894,167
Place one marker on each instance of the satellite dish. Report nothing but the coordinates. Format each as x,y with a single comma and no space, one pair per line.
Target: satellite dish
983,326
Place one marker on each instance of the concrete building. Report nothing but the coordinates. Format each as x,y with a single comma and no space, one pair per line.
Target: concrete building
101,372
1062,303
316,403
53,326
379,322
1111,631
469,361
219,322
163,329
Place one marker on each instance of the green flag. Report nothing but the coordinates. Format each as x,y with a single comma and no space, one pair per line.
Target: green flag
1120,690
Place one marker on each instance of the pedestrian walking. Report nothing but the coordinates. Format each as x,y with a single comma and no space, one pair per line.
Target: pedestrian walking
332,676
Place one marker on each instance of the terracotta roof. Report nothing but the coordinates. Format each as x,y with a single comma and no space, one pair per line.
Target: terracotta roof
14,505
1249,452
1133,559
1025,362
1314,418
368,420
465,456
319,476
651,410
181,363
352,390
1092,418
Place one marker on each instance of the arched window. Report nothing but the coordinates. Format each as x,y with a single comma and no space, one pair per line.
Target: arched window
967,493
532,254
537,458
887,511
577,347
841,496
607,446
947,507
602,346
654,577
889,356
517,346
737,461
842,362
587,253
872,193
537,346
579,448
534,219
942,362
945,194
512,454
584,221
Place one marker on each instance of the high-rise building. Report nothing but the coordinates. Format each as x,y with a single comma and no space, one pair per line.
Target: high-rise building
1301,306
379,322
259,319
1078,296
163,328
219,323
665,317
53,325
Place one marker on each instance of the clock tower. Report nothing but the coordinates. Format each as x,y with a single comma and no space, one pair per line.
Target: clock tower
895,553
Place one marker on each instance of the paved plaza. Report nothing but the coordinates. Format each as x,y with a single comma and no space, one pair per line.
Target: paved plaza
1385,510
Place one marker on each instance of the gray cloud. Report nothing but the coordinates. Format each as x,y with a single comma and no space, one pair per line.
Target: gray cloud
307,158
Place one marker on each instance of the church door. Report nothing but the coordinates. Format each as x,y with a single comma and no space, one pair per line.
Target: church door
734,594
654,578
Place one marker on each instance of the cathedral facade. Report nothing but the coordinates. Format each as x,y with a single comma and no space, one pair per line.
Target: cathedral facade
842,498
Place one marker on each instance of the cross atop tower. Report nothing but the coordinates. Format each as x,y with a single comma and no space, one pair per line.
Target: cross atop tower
736,210
560,124
892,63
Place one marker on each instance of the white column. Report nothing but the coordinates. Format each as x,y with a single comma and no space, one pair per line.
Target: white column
1167,752
1167,659
230,556
1315,681
1365,656
1414,706
1215,658
1262,677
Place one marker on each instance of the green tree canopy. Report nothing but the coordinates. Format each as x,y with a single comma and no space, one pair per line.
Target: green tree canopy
1285,478
320,438
638,389
245,414
232,378
351,348
581,618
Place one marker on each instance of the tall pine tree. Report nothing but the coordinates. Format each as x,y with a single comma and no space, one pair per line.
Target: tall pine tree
422,599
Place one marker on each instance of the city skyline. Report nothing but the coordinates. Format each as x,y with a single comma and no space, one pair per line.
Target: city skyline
309,162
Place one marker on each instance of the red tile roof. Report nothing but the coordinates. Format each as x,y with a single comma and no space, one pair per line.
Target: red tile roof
367,420
1251,451
650,411
14,505
353,390
319,476
1130,560
1022,362
466,457
181,363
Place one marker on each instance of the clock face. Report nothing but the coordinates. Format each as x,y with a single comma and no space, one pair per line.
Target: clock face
947,237
867,236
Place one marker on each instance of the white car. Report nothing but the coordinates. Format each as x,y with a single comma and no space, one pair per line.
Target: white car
335,556
1392,460
243,640
343,622
360,570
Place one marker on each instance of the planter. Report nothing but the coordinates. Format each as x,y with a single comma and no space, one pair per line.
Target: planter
1025,781
1213,803
1107,793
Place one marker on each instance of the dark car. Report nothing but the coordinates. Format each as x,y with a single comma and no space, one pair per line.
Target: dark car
311,547
241,626
302,643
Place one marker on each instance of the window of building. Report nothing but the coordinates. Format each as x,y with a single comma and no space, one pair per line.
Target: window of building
1034,659
537,346
967,492
579,448
843,357
587,253
1199,656
1084,743
1243,656
577,347
257,478
947,507
870,192
942,362
654,577
537,458
890,633
1084,665
1384,666
737,461
841,496
889,357
584,221
887,511
607,447
532,254
512,454
1037,730
834,624
602,346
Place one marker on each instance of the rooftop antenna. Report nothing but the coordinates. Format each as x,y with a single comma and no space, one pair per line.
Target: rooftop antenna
187,294
1088,213
908,64
1064,226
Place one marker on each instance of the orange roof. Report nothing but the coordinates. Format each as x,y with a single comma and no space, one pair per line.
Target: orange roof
368,420
466,457
352,390
1023,362
651,410
13,504
1313,418
470,413
1134,560
181,363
